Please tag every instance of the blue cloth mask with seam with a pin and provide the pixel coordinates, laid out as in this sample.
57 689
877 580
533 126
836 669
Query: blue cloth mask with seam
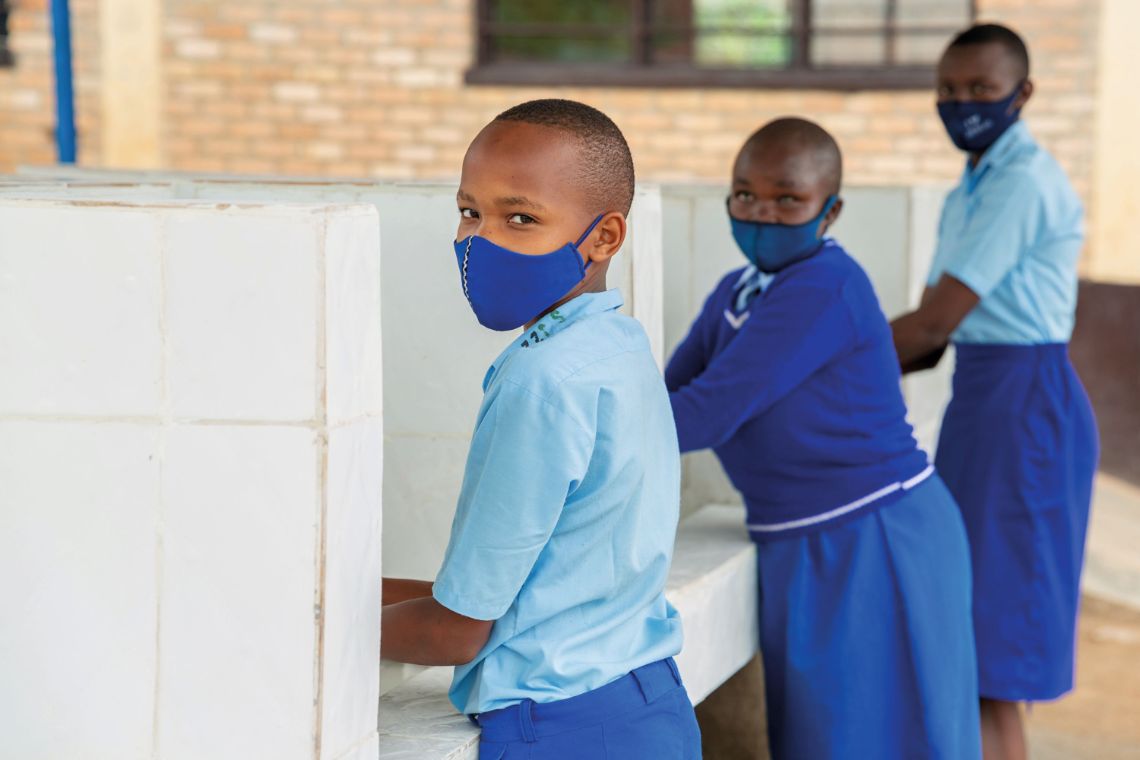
771 246
507 289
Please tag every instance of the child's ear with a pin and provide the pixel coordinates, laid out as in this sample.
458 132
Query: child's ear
607 238
832 215
1027 88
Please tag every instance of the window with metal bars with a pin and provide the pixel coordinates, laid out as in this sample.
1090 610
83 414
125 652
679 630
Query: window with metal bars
825 44
7 59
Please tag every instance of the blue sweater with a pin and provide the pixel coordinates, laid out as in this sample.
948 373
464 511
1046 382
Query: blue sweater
798 393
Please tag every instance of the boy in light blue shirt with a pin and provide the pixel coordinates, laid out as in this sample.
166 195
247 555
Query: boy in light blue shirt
550 601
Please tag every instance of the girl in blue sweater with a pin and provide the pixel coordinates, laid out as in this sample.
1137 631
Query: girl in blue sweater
789 375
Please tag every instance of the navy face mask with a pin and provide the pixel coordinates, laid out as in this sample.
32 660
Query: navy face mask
975 126
772 247
507 289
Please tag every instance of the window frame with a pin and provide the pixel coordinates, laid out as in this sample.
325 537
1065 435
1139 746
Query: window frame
799 74
7 57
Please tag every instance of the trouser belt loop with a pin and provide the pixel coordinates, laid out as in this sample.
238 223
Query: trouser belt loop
526 720
673 669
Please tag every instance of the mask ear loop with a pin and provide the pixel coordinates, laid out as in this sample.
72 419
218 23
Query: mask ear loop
827 206
585 235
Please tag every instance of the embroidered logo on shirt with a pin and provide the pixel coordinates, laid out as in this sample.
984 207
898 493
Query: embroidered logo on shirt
734 320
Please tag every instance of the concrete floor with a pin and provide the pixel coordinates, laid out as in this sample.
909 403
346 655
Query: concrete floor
1100 720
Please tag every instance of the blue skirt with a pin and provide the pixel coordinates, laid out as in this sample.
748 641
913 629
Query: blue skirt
866 638
1018 450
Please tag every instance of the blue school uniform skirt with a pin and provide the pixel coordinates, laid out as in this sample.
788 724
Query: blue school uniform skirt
1018 450
866 638
644 715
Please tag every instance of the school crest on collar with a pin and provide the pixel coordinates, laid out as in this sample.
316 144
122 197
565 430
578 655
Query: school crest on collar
736 320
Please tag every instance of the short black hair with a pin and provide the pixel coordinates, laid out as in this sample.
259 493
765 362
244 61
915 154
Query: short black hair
793 133
606 166
983 34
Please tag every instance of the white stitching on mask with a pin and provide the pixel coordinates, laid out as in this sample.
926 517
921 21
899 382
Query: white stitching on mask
466 255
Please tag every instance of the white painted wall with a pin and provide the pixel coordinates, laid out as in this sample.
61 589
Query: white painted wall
190 452
436 354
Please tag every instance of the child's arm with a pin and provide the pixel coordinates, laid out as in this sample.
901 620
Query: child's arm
688 359
800 329
424 632
921 336
527 455
396 590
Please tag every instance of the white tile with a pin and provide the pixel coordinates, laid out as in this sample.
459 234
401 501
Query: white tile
77 576
422 476
680 311
435 352
394 747
242 314
646 292
421 707
351 642
394 674
79 313
712 583
366 750
703 481
418 721
352 329
873 229
238 645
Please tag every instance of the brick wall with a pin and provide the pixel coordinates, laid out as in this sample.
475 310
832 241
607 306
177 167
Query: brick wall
365 88
27 92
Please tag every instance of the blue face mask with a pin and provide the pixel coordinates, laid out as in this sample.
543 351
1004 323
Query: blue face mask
507 289
772 247
975 126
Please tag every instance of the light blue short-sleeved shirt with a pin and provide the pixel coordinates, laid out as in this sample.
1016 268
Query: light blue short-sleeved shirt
1012 232
564 530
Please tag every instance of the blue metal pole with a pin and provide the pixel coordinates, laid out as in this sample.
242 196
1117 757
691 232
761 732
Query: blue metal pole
64 93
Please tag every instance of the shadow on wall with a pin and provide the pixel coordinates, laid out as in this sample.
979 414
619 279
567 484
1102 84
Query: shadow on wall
1106 352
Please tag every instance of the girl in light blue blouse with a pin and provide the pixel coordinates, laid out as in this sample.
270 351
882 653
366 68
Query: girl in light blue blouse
1018 447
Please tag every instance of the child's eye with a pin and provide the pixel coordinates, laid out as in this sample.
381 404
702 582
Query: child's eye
980 89
520 219
743 196
468 213
787 200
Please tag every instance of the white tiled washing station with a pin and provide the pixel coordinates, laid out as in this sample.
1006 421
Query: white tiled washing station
190 439
435 356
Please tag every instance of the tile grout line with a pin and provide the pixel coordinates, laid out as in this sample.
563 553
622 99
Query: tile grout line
160 516
322 482
162 419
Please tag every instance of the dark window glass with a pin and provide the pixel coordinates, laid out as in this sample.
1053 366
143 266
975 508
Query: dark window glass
795 43
6 57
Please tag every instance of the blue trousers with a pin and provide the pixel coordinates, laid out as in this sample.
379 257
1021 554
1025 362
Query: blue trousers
645 715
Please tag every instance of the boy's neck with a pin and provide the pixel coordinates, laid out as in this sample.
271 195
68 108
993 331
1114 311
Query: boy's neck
589 285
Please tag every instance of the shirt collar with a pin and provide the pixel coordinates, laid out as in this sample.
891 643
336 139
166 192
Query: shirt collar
556 321
1001 152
